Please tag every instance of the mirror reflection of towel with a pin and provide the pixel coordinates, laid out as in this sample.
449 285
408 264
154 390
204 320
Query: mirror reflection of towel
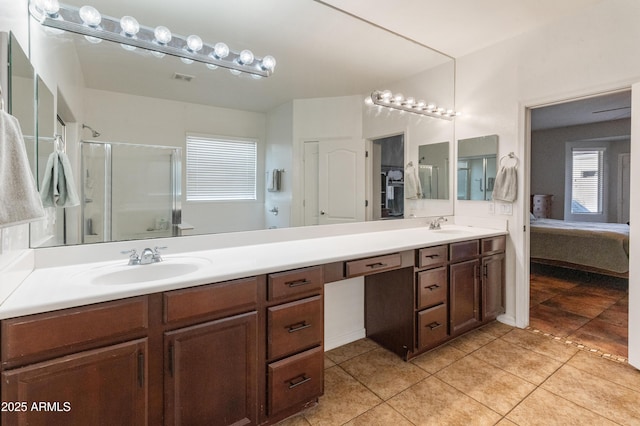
413 187
58 187
505 187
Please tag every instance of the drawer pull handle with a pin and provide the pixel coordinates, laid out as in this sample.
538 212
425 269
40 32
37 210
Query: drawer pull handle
431 256
434 325
303 379
376 265
432 287
298 283
297 327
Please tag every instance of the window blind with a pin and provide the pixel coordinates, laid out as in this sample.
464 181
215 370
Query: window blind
587 180
220 170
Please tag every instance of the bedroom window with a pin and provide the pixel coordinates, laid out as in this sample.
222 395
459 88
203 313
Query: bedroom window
221 169
587 180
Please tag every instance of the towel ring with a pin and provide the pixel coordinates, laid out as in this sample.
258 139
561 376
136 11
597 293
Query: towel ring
510 156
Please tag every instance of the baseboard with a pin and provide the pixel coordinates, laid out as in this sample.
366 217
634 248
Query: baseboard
507 319
343 339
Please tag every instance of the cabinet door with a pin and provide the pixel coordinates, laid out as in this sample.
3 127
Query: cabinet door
492 286
464 285
211 373
106 386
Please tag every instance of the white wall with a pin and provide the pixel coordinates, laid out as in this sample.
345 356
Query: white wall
279 155
589 52
142 120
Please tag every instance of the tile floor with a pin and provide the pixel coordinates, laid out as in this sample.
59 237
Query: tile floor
589 309
496 375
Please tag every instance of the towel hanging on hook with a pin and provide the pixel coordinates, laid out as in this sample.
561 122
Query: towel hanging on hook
59 144
510 156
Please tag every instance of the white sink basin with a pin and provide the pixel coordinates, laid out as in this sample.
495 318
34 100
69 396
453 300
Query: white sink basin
124 274
452 231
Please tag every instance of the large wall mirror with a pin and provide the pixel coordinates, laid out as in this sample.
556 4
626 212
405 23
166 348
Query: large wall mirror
433 170
327 63
477 160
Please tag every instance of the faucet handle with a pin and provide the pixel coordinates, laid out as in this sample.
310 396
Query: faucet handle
156 253
134 259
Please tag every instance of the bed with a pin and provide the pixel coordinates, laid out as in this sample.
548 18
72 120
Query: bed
589 246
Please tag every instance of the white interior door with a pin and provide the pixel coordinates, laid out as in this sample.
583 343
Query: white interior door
341 176
310 206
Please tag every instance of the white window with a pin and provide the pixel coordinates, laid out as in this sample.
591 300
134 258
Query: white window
221 169
587 180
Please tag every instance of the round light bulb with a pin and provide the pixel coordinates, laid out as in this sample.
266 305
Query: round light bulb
269 63
368 101
246 57
93 40
421 104
410 101
431 107
162 35
386 95
50 7
399 97
129 25
220 50
90 16
194 43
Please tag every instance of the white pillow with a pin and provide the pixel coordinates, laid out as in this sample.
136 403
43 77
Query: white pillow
532 218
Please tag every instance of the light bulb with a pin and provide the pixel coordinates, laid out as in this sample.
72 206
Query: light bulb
410 101
386 95
129 25
220 50
431 107
458 114
268 63
246 57
94 40
90 16
398 97
162 35
368 101
194 43
421 104
50 7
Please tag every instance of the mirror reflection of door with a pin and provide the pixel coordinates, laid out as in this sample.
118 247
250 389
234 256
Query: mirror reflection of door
387 165
334 181
477 166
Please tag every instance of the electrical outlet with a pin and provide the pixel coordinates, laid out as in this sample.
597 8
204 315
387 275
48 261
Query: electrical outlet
492 208
506 209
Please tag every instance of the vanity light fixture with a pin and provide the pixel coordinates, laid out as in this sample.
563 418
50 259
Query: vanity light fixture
159 41
397 101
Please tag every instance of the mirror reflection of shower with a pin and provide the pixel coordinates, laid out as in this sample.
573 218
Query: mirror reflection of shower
94 133
141 201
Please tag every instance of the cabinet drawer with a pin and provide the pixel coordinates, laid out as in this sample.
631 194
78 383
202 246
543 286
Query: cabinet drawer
42 336
373 265
432 287
432 326
291 283
294 326
493 245
295 380
229 297
463 250
432 256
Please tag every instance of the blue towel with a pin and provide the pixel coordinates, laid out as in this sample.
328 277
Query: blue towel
19 201
58 188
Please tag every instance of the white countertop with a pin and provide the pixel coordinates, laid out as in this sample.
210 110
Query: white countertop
52 288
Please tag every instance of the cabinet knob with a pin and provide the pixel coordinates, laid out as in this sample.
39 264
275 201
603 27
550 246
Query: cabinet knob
322 212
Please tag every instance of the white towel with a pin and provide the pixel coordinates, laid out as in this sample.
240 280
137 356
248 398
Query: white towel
505 187
19 201
58 187
413 187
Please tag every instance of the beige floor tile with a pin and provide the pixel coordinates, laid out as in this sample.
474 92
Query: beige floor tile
620 373
506 422
382 415
350 350
557 350
433 402
606 398
544 408
344 399
297 420
328 363
472 341
489 385
383 372
524 363
437 359
496 328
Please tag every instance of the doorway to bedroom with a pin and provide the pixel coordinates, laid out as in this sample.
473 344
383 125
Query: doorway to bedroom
579 213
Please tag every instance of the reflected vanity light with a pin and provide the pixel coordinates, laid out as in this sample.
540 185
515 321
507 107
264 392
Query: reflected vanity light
397 101
130 34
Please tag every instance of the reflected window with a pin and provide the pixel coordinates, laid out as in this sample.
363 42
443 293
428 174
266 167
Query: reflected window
221 169
587 183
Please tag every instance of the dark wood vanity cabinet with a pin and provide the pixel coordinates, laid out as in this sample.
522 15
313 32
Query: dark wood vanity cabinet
493 277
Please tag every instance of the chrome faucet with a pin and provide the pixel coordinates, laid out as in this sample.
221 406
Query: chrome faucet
147 256
435 223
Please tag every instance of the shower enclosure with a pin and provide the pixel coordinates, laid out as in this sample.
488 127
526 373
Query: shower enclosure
129 191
